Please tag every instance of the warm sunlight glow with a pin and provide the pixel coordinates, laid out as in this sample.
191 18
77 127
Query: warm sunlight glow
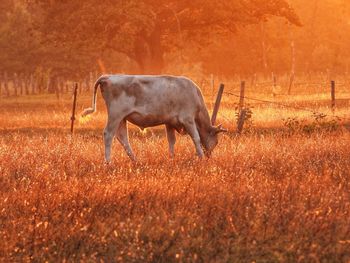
84 119
175 131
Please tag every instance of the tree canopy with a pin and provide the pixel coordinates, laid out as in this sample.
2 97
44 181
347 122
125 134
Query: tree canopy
70 36
148 36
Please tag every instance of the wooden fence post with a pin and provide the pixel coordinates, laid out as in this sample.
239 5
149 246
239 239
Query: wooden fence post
333 94
241 96
74 106
241 119
217 104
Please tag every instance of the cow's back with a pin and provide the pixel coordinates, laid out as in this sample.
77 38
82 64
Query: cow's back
158 93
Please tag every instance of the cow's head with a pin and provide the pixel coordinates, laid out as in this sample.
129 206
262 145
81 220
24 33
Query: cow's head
211 140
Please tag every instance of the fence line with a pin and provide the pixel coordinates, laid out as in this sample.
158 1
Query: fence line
281 104
17 84
273 102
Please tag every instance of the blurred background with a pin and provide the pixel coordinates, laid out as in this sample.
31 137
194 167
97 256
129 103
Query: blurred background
44 44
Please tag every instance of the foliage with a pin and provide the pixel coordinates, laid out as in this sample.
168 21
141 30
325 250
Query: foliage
73 35
245 38
248 117
320 44
18 45
321 122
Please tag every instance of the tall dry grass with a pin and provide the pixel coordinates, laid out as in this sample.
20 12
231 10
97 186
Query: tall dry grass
264 197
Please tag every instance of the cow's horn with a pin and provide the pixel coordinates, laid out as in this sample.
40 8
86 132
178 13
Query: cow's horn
220 129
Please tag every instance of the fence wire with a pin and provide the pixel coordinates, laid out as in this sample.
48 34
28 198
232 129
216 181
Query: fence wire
275 103
315 112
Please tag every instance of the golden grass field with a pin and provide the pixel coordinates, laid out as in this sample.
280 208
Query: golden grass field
275 194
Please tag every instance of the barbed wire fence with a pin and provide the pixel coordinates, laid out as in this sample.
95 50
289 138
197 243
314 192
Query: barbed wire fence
273 103
242 111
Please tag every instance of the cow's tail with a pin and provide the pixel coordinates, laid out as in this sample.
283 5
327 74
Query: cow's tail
91 110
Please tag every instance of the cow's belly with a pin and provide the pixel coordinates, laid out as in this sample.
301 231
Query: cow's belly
149 120
146 120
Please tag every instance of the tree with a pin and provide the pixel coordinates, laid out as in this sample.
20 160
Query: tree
320 44
18 45
145 30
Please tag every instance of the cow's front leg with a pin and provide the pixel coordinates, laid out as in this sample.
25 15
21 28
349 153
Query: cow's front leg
170 132
122 135
191 129
108 135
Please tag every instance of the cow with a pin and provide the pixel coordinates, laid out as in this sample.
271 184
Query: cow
148 101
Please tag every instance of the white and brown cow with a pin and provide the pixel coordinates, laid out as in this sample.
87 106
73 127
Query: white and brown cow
148 101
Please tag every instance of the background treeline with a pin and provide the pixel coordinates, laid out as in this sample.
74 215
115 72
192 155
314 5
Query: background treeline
40 40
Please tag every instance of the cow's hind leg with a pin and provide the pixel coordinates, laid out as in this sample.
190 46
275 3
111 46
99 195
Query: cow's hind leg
108 135
191 129
170 132
122 135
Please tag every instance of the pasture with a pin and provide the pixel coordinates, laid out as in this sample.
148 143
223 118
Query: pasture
280 192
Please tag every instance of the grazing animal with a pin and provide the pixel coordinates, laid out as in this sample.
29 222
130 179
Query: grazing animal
148 101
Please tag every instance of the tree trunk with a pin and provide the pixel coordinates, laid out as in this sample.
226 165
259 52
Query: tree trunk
156 51
312 42
32 83
26 84
149 53
263 48
292 70
20 83
6 85
15 83
140 54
